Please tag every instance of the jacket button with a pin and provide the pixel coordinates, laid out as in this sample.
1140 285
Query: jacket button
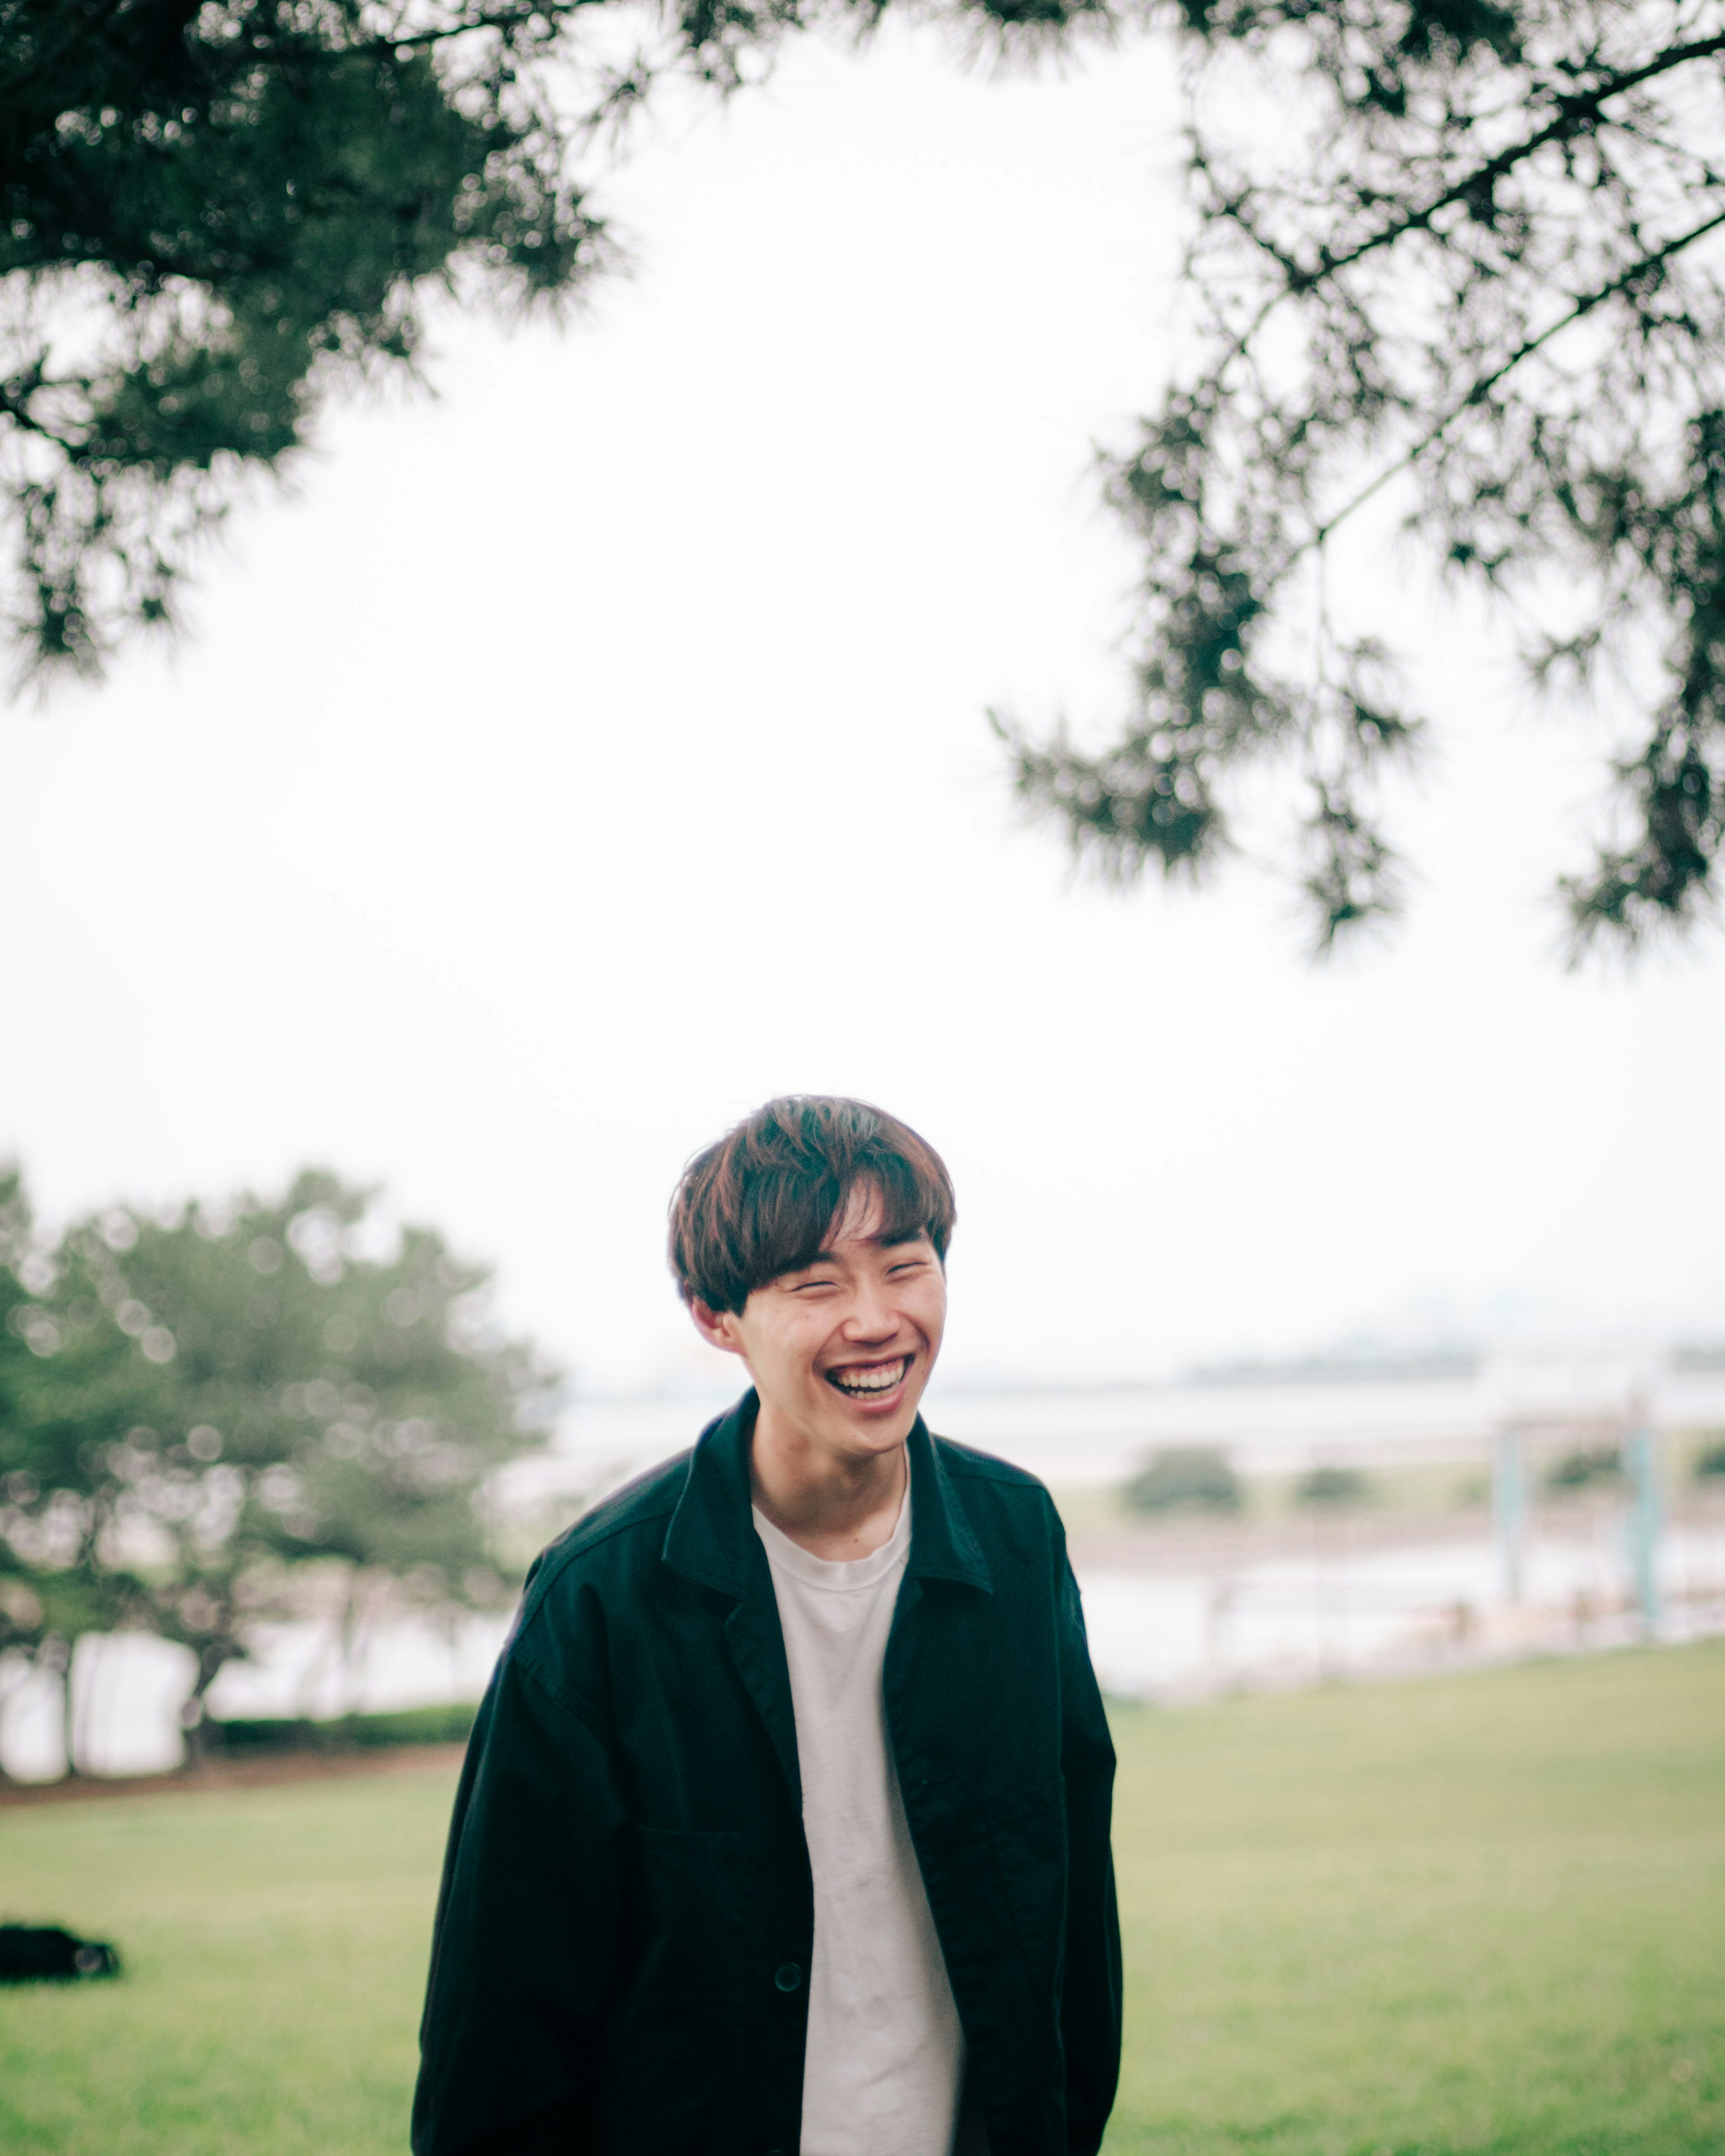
788 1976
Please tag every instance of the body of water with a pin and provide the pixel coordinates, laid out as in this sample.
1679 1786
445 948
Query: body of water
1093 1437
1156 1630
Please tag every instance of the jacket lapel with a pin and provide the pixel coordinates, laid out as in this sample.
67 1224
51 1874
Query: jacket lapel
711 1539
942 1544
757 1644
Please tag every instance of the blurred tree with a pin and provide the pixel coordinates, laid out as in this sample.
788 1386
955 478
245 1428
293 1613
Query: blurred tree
1458 253
1586 1468
1186 1476
215 1402
213 212
20 1607
39 1614
1465 251
1331 1486
47 1599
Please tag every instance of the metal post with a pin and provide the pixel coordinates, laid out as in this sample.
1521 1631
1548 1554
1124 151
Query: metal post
1641 1463
1509 1507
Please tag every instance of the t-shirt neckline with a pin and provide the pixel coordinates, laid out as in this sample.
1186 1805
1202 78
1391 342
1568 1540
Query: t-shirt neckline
840 1575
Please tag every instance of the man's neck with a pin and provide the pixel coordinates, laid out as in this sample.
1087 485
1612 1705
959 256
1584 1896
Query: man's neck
840 1507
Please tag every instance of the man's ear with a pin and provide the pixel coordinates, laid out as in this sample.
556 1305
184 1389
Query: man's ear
717 1328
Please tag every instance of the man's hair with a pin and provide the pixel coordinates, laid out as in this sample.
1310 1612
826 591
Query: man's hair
762 1201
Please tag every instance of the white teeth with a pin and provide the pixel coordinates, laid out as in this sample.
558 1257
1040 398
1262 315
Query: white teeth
881 1379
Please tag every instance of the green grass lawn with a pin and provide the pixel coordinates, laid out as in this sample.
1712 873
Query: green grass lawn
1483 1914
1486 1914
274 1943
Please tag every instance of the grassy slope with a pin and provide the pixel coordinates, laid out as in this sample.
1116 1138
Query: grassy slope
1485 1915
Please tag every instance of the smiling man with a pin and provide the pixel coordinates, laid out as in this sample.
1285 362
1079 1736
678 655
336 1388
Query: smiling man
784 1825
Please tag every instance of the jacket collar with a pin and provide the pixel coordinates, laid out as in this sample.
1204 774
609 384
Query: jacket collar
711 1537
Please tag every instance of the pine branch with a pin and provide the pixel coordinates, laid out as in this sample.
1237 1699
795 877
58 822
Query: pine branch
1576 113
1484 384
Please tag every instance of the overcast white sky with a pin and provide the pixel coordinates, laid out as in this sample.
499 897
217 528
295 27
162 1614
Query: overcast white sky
587 754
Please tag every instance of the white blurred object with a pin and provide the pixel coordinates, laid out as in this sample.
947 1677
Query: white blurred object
33 1746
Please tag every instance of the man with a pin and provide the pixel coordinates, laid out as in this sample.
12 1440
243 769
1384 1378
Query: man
783 1830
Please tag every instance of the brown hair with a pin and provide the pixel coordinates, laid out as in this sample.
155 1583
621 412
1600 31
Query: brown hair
762 1201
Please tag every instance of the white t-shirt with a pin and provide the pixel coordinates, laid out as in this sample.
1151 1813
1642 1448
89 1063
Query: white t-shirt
884 2066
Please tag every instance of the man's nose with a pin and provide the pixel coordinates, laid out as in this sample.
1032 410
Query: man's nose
872 1317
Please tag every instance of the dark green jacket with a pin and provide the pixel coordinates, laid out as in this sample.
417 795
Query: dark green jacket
627 1914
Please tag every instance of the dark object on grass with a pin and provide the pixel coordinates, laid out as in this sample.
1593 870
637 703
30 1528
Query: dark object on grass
1195 1474
1710 1463
43 1954
1331 1486
1580 1469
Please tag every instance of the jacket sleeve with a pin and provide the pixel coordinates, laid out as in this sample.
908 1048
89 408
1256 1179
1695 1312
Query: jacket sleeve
525 1938
1091 2010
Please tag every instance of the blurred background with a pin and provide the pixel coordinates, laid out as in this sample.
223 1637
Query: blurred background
581 739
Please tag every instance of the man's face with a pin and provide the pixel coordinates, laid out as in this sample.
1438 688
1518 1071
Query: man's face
841 1351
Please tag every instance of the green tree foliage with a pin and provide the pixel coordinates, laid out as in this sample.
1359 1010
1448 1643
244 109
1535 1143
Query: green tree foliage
1458 255
1331 1487
1471 258
1183 1478
218 210
199 1409
39 1615
1586 1468
212 212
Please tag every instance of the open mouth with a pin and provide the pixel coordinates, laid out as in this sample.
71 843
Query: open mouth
867 1381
